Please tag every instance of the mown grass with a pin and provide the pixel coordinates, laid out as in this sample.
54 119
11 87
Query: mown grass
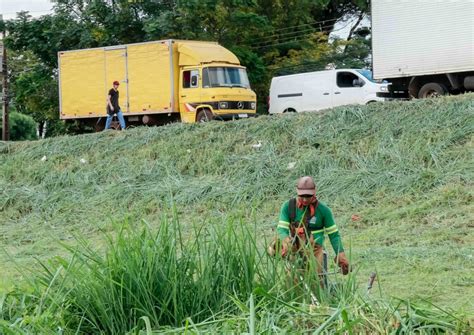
404 168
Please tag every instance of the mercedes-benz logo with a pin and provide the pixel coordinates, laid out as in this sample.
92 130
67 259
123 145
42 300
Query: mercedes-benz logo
240 105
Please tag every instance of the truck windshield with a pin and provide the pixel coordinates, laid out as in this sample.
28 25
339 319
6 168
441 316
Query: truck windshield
225 77
367 74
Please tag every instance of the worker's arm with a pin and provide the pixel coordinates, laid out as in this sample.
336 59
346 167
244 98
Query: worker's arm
331 230
283 228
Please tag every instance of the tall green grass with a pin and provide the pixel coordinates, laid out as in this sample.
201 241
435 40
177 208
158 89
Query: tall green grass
214 281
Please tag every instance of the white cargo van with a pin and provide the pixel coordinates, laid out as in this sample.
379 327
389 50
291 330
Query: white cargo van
314 91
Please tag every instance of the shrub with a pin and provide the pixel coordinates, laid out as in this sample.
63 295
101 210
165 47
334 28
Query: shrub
22 127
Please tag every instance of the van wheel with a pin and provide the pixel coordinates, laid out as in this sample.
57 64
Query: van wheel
289 110
205 115
432 90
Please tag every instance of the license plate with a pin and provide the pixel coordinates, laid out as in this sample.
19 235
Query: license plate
243 115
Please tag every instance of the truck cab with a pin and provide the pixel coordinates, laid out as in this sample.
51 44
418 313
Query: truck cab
215 91
214 87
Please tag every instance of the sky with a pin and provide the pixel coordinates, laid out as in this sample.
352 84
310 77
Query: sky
9 8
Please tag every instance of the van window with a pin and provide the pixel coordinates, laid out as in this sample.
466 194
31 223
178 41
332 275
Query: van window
367 74
191 79
348 79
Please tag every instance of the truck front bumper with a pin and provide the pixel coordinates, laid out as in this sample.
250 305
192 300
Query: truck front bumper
233 116
390 96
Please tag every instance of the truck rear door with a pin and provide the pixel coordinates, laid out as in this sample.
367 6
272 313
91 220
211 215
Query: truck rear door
116 69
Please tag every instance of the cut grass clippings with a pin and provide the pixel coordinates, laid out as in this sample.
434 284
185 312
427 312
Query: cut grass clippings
398 177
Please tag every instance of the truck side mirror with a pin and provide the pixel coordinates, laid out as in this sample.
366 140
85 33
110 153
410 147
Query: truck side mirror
194 80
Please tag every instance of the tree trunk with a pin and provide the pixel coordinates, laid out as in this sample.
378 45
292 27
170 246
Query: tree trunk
45 128
41 129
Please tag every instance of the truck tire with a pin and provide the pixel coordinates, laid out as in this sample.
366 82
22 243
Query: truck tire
289 110
204 115
432 90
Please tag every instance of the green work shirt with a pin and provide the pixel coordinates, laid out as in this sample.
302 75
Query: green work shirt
322 222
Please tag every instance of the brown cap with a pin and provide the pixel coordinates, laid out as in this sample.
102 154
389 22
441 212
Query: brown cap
305 185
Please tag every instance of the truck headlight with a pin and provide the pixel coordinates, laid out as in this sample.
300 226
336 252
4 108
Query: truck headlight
252 105
223 105
384 88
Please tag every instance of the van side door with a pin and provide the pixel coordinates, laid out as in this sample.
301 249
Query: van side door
318 90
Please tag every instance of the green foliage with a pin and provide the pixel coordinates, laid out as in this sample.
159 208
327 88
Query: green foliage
22 127
314 57
35 90
36 93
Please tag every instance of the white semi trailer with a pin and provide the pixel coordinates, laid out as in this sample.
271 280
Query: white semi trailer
424 48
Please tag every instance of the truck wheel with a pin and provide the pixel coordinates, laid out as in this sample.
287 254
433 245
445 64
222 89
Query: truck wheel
204 115
99 125
115 125
432 90
289 110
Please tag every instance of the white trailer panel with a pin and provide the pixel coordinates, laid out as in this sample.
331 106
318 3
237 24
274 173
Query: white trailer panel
418 37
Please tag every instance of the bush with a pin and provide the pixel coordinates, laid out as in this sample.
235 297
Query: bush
22 127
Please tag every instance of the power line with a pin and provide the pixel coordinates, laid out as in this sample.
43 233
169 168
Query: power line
306 24
291 39
306 29
273 37
301 33
315 23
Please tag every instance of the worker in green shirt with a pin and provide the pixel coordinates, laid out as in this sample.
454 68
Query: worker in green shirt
305 219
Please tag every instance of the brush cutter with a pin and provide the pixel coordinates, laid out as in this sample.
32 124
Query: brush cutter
372 277
314 299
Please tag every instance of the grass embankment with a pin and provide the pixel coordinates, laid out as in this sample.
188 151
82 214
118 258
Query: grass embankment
404 168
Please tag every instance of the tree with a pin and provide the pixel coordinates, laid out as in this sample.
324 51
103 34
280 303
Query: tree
34 90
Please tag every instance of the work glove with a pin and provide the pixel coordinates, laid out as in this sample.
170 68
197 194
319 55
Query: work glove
285 246
343 263
272 248
279 246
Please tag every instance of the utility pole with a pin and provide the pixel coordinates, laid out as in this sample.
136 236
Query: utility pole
4 71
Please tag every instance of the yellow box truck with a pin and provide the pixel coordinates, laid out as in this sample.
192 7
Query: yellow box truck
161 81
